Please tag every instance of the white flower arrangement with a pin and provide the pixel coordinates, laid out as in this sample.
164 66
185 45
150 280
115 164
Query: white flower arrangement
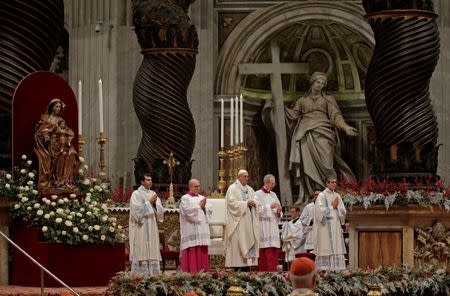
63 219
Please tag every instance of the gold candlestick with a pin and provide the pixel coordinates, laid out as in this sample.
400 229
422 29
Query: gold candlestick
236 160
243 150
230 153
101 164
221 184
81 143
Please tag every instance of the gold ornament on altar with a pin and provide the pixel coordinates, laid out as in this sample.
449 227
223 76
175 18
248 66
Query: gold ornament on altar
171 162
374 290
235 289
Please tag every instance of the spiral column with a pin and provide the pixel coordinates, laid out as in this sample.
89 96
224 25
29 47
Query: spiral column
169 45
30 33
397 86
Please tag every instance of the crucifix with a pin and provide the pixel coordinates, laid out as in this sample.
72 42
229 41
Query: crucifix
171 162
275 69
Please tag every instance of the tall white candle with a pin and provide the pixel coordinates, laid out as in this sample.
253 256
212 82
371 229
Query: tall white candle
221 121
80 108
231 121
241 120
100 103
236 127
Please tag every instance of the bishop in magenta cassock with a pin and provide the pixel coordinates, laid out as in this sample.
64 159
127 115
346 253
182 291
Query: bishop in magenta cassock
269 215
194 229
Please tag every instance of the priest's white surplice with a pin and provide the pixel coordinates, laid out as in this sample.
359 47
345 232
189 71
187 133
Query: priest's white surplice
143 231
268 220
329 244
242 227
194 228
293 238
307 218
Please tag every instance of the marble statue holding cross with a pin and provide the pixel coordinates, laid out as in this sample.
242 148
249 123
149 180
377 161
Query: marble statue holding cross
275 69
313 152
315 149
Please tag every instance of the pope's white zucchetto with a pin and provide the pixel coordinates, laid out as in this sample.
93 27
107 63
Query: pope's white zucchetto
242 172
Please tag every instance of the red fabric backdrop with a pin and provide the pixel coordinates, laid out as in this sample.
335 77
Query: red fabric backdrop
30 101
77 266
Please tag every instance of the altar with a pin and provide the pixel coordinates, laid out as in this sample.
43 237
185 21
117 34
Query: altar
393 237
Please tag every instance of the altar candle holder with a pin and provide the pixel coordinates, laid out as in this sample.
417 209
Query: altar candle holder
101 164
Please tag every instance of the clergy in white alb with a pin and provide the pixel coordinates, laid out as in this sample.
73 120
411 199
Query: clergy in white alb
145 211
330 212
242 224
307 218
194 229
292 235
269 210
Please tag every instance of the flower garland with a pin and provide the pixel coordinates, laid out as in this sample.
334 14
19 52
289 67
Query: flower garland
65 219
392 281
203 283
387 193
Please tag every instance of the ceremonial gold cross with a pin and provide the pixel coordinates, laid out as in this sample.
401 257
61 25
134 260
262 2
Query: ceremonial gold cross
171 162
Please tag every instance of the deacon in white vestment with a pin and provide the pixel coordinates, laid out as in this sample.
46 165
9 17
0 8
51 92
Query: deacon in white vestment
242 224
292 235
145 210
307 218
194 229
270 213
330 212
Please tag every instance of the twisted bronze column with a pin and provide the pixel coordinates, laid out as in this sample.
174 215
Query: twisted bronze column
397 86
30 33
169 44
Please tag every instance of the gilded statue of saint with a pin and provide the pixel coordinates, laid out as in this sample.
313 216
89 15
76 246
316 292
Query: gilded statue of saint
57 158
315 149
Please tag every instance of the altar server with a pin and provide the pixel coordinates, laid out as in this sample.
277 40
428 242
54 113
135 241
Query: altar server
145 210
330 212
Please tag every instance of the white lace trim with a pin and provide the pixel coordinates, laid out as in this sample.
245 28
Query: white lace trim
332 262
146 266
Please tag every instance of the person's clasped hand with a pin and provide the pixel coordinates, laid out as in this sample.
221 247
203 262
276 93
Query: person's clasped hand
335 203
202 203
153 199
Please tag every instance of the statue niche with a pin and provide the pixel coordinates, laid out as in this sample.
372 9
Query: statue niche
57 158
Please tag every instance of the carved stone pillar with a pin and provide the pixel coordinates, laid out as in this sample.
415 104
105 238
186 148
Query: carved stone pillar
397 87
169 44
